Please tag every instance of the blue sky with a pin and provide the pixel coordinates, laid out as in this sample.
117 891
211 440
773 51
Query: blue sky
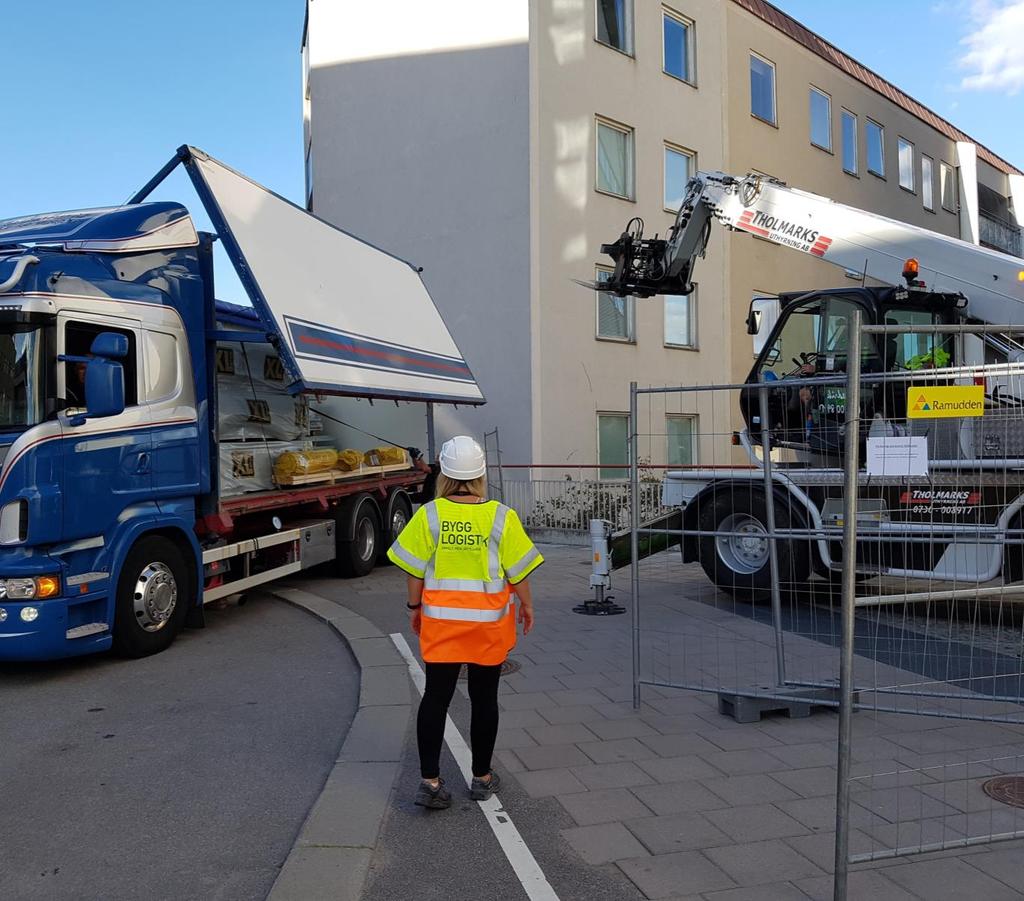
100 93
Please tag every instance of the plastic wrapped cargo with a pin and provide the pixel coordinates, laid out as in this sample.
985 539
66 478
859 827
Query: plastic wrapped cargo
305 462
349 460
248 466
386 456
252 398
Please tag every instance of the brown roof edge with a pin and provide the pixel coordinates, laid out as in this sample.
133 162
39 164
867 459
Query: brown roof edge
843 61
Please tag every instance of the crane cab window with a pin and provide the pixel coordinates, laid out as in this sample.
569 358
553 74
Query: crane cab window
919 350
78 338
814 340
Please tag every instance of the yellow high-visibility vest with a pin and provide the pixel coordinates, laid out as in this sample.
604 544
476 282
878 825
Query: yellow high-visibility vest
469 556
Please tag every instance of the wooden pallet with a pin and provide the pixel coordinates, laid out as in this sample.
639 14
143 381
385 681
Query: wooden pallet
335 476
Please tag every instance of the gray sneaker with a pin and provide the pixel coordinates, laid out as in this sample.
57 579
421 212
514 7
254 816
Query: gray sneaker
480 790
435 798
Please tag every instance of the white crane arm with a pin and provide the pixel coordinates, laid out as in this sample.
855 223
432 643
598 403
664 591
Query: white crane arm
853 239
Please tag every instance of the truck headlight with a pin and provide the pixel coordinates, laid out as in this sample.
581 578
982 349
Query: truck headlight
40 587
29 614
14 522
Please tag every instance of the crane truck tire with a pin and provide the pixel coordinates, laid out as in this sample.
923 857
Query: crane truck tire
357 556
399 512
153 597
738 562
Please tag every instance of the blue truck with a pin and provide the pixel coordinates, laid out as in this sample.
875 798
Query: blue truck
115 528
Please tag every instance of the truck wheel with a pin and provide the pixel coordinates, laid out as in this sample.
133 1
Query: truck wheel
358 556
400 512
153 597
739 563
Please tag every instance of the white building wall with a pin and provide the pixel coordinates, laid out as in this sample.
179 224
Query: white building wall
420 144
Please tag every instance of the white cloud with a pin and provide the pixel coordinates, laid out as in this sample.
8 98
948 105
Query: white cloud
994 49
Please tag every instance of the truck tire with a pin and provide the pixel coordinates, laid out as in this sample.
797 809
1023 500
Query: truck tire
739 563
153 597
399 513
358 556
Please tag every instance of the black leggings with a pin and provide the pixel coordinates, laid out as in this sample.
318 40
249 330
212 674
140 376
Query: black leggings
483 728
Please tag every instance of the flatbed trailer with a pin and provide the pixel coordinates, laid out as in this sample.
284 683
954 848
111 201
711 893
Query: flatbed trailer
117 524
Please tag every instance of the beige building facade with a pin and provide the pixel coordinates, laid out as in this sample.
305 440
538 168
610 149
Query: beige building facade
500 144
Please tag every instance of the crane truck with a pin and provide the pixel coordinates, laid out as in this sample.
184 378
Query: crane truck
116 522
963 520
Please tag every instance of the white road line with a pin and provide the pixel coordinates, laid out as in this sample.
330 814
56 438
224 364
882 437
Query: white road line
530 874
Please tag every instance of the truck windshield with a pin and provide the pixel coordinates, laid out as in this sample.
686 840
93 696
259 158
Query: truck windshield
21 376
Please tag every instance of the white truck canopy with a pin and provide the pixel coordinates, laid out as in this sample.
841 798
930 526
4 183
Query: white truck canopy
351 319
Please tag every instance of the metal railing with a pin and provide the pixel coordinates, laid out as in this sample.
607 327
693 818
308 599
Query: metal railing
999 234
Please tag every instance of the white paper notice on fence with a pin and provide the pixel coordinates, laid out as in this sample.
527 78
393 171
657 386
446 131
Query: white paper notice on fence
898 456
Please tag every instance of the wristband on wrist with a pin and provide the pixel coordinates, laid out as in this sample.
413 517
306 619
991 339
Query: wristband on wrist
413 606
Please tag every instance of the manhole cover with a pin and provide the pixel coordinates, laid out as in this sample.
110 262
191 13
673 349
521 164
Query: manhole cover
509 666
1006 790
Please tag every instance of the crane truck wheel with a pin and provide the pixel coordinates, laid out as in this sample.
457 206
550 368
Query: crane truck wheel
399 513
738 561
153 597
358 556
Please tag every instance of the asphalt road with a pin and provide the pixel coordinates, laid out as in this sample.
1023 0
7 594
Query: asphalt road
184 775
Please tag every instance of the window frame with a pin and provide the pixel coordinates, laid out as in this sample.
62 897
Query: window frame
691 69
630 29
692 307
810 112
867 147
774 121
944 167
694 419
845 114
616 467
900 143
630 337
928 197
630 133
670 147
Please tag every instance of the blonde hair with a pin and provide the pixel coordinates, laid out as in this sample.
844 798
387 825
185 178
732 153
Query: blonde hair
447 486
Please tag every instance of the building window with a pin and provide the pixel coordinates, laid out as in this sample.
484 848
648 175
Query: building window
821 120
762 88
615 159
849 142
613 445
947 187
615 24
679 168
905 159
876 149
614 314
681 319
681 432
677 35
927 180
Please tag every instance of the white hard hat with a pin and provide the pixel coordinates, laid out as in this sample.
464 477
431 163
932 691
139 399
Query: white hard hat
462 458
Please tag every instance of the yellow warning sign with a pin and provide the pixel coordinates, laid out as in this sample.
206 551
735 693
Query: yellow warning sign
944 402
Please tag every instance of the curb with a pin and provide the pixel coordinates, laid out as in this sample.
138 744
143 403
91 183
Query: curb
330 859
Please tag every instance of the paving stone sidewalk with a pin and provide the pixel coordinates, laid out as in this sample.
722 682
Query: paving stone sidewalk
689 804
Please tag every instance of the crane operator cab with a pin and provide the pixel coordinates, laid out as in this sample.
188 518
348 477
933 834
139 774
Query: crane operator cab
810 341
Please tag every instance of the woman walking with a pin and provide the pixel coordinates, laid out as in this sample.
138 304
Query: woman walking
467 559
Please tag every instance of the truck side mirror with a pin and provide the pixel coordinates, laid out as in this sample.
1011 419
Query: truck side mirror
761 319
104 388
104 376
753 320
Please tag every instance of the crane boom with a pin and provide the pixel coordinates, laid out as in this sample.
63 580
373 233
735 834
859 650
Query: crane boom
850 238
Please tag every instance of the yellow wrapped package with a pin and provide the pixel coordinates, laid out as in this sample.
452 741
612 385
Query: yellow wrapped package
349 460
385 456
304 463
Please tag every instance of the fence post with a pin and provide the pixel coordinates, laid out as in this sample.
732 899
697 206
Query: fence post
851 465
773 550
634 540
